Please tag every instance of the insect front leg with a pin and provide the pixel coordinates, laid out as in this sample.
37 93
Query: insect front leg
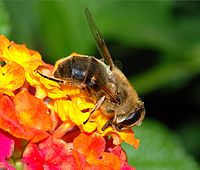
108 123
97 106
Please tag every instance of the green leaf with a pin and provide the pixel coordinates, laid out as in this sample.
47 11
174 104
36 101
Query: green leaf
190 130
169 74
4 20
160 149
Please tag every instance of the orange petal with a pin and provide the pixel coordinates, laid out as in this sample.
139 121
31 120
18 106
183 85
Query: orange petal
90 146
82 144
120 136
108 161
97 147
32 111
116 137
62 129
38 135
128 136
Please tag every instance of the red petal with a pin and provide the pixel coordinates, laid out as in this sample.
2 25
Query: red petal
10 123
117 150
33 158
50 154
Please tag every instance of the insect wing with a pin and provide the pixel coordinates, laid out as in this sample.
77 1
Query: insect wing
100 43
98 74
107 90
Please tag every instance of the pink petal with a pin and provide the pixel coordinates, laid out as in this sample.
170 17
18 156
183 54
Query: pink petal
6 147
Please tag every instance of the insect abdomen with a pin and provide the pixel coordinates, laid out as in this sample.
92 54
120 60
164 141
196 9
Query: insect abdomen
83 69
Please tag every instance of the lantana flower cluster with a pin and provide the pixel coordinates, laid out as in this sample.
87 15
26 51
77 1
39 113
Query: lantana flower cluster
47 125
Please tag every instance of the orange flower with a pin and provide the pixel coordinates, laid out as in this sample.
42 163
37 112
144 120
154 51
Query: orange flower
93 149
54 119
9 122
31 111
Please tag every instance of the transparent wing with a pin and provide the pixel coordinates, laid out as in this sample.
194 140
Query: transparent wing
100 43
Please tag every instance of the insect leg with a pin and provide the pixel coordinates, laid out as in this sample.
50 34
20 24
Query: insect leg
108 123
98 104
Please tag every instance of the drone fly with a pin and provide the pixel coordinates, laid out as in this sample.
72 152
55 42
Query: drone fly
114 94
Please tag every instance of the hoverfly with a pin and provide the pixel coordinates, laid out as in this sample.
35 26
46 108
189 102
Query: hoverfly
112 90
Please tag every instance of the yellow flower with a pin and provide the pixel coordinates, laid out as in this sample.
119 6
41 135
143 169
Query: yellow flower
11 52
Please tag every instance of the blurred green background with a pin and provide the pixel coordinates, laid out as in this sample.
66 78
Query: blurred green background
158 44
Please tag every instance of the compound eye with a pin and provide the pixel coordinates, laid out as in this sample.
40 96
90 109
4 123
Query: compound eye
133 118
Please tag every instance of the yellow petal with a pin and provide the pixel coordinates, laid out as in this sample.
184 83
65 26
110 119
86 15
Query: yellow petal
71 90
77 116
12 77
81 103
4 43
32 78
89 127
66 109
49 84
61 107
28 59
